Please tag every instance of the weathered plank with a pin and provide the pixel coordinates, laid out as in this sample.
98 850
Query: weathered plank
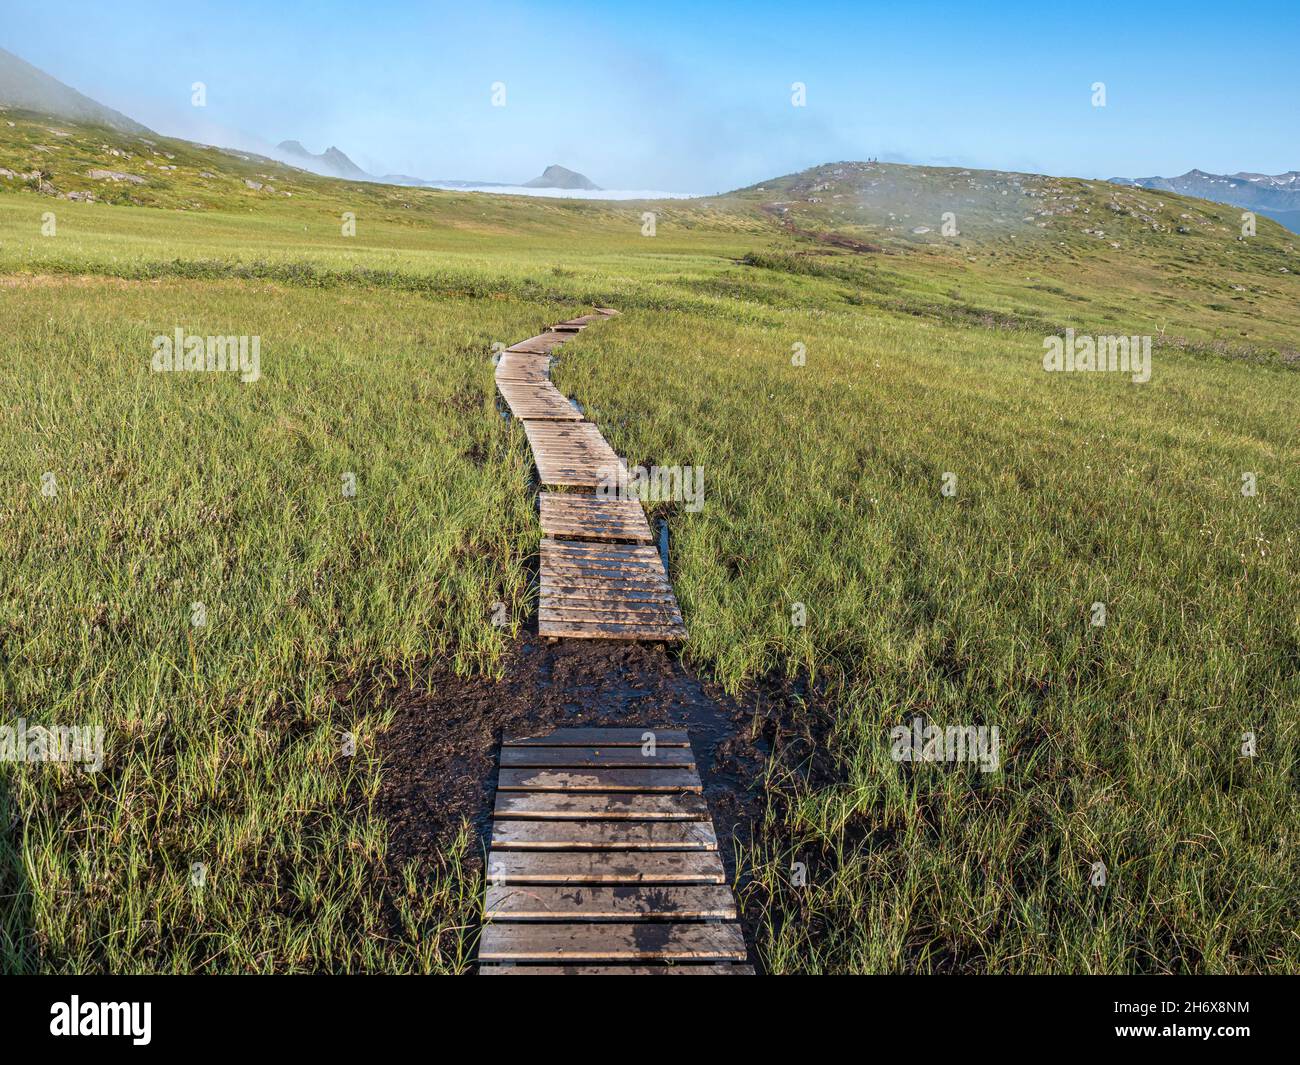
598 780
581 322
526 369
542 344
572 455
537 400
631 560
631 574
582 806
611 591
602 737
584 517
605 553
521 902
597 757
604 835
610 630
606 867
721 968
604 878
599 591
630 941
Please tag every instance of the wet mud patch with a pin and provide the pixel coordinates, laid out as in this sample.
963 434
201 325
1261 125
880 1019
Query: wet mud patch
439 756
440 753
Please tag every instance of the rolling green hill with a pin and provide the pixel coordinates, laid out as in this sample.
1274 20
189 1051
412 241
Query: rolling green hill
1025 249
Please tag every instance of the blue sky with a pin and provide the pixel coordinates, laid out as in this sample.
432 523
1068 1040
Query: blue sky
695 97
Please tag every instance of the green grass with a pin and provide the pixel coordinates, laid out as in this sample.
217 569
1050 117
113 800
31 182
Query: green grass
226 740
1120 743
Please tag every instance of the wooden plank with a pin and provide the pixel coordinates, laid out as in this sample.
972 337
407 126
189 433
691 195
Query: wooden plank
565 608
575 516
647 570
582 435
611 630
537 400
580 559
604 552
604 835
536 969
632 941
600 591
580 806
608 583
602 737
597 757
606 867
610 625
637 601
572 454
599 780
526 369
614 625
568 469
609 591
529 902
542 344
599 529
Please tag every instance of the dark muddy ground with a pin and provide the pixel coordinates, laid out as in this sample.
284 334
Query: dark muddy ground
440 755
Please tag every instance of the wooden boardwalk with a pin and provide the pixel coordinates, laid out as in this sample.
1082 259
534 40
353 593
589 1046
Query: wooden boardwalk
599 579
604 861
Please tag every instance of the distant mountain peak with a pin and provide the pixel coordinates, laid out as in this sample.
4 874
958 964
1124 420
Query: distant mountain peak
332 162
30 89
1274 195
559 177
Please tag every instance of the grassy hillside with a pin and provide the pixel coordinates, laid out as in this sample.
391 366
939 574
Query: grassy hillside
1029 251
1031 247
1121 743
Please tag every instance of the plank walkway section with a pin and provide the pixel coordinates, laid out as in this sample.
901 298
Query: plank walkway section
604 861
599 577
582 517
606 591
534 369
572 454
537 400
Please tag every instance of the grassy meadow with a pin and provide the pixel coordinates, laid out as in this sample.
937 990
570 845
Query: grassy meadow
227 740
